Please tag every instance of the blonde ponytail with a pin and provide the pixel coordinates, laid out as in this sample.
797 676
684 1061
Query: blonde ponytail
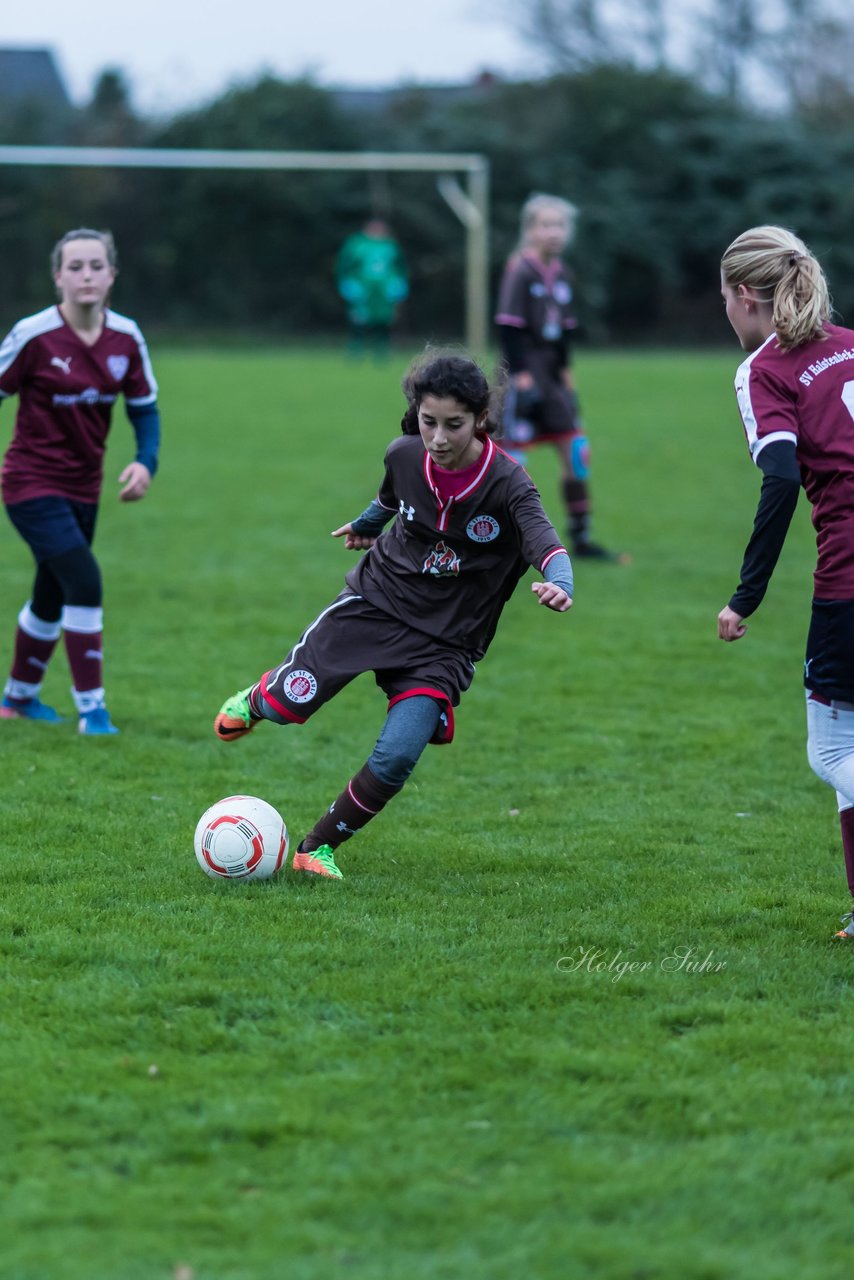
781 269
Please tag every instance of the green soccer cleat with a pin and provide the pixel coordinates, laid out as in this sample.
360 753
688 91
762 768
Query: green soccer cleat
235 718
320 862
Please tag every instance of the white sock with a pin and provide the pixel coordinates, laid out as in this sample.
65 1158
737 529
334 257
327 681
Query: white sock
20 690
88 700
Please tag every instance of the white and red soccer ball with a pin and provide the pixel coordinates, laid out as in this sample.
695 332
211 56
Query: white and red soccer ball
241 838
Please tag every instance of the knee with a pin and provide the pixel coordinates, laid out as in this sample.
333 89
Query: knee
830 745
816 758
78 574
392 763
409 726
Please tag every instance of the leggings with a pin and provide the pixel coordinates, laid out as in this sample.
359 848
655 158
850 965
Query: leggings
72 578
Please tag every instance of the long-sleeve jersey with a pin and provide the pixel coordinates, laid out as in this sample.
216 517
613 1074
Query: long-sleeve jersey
66 392
805 396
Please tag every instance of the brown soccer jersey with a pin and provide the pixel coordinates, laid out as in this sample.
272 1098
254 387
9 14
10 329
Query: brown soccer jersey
536 298
448 568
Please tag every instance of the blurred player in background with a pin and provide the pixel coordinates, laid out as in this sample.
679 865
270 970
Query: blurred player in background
372 279
421 607
68 365
795 392
535 317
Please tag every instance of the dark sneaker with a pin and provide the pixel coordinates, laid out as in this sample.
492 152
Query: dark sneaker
588 550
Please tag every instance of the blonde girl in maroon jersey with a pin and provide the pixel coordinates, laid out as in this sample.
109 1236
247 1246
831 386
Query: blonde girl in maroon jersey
795 393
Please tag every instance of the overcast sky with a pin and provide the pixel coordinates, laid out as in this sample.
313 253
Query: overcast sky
178 53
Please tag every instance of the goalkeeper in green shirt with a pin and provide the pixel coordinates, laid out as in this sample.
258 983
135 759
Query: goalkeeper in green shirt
371 277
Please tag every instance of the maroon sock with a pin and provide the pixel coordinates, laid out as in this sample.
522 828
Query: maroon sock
85 659
362 799
846 822
31 657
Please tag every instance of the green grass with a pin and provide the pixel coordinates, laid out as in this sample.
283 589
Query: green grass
421 1073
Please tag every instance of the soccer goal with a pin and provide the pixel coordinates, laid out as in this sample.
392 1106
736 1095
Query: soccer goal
469 202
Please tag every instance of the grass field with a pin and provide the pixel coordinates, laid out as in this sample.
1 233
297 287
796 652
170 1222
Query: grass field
575 1010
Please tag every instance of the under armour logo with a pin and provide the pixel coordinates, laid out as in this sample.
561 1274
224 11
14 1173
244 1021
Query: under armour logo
408 512
64 365
344 829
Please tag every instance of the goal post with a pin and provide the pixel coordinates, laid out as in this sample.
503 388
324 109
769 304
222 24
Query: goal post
469 203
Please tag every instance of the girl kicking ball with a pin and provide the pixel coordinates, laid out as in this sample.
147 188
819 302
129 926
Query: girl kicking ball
422 605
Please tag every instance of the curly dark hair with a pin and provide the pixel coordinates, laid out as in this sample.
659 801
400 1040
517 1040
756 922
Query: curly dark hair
449 374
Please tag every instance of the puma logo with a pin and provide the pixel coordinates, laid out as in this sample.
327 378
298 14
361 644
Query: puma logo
64 365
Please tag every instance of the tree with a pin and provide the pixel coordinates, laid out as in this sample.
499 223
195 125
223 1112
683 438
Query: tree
779 55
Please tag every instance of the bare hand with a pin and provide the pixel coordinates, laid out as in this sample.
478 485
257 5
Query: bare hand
731 625
353 541
136 478
552 596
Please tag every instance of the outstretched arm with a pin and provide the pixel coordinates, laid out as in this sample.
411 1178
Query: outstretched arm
362 533
556 592
781 485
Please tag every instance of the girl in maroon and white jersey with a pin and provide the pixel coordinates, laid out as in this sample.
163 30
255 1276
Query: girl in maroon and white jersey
68 365
421 607
795 392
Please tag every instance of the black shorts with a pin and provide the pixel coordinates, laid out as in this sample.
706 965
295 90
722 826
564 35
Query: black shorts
829 665
50 526
352 636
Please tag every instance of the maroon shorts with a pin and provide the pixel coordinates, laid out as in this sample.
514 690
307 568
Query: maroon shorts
352 636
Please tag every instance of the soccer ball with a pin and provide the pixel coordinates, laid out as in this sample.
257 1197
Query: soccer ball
241 838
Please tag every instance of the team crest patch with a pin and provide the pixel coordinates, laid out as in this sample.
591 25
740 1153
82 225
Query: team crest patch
483 529
300 686
442 562
118 366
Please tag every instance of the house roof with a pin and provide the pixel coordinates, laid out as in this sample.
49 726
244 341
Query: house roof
33 74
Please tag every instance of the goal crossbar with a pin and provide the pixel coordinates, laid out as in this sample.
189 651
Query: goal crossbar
471 207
